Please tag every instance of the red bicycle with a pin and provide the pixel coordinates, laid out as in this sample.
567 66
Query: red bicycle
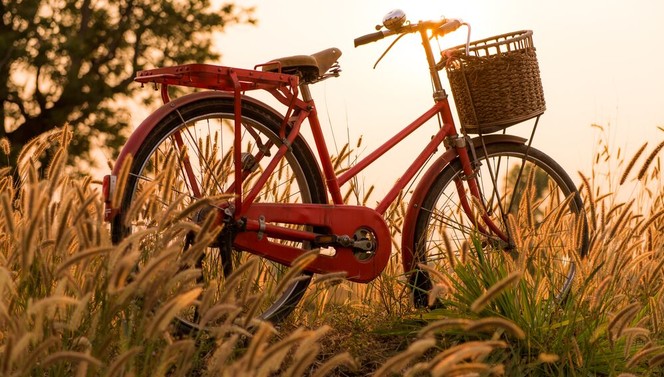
278 198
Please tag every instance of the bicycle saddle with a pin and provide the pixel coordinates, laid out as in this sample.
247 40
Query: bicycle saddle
309 67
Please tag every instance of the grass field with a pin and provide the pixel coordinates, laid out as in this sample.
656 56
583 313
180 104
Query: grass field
72 303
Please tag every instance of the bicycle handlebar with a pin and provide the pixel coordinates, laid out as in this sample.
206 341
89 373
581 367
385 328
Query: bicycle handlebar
449 26
373 37
440 28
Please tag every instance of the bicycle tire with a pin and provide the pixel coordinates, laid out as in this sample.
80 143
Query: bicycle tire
206 127
440 213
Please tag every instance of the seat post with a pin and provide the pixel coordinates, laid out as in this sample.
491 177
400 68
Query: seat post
306 93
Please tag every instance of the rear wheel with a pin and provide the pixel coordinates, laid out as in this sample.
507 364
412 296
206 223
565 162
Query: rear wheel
519 185
188 156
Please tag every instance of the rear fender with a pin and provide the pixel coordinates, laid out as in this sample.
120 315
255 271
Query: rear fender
137 138
423 187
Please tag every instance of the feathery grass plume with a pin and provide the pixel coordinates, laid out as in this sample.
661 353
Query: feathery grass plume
650 221
468 369
548 358
619 222
444 324
448 248
34 149
33 357
225 347
622 319
329 279
121 182
155 265
444 363
139 201
600 290
271 358
656 315
644 353
367 195
439 275
649 160
338 160
656 361
633 334
306 353
493 323
631 163
578 356
121 271
257 345
79 256
55 168
169 310
298 265
8 214
5 146
481 302
400 360
590 201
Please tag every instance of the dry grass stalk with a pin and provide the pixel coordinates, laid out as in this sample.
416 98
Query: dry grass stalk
481 302
656 361
399 361
598 295
169 310
467 369
649 160
631 163
548 358
472 351
444 324
494 323
655 312
622 218
622 319
650 221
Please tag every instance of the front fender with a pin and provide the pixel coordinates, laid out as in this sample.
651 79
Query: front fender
423 187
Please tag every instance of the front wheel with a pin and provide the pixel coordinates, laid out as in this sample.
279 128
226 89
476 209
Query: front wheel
530 199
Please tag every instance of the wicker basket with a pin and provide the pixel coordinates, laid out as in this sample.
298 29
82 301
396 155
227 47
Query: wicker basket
497 84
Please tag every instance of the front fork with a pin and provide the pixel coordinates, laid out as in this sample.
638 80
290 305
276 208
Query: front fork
470 164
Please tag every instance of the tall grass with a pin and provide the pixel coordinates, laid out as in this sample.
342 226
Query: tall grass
71 303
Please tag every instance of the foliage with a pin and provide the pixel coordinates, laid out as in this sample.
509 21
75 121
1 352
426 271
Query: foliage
69 62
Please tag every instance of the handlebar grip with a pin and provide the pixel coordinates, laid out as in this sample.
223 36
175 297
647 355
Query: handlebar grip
449 26
373 37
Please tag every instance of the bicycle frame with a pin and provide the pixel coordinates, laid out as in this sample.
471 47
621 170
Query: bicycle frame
337 217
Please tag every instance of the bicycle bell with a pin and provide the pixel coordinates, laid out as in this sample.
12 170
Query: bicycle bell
394 19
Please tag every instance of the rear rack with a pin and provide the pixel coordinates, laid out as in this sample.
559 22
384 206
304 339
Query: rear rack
208 76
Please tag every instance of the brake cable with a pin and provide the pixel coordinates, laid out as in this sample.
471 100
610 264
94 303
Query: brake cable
388 49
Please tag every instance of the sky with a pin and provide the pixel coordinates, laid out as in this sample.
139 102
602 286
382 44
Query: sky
600 62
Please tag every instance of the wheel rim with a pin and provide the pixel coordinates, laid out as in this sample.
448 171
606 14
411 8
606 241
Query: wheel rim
543 213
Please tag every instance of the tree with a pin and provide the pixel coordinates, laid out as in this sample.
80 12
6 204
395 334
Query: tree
68 62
